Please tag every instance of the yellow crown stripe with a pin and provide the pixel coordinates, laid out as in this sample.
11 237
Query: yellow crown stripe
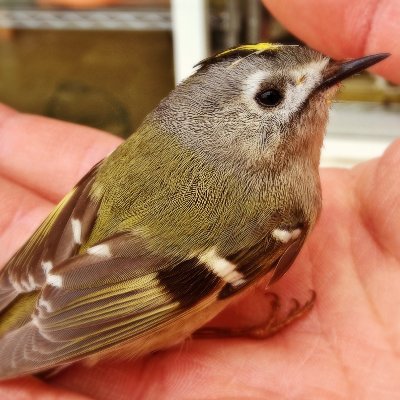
251 47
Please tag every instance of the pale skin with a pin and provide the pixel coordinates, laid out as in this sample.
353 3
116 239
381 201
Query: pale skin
347 347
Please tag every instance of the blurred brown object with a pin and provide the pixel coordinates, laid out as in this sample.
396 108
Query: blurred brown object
78 3
6 34
103 3
106 79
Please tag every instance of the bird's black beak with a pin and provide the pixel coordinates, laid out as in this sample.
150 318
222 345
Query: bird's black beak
336 71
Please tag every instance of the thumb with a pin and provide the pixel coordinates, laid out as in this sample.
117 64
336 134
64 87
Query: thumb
346 29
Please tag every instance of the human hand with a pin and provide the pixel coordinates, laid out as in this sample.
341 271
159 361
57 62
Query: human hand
347 347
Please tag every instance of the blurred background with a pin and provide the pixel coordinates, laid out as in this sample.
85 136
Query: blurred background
107 63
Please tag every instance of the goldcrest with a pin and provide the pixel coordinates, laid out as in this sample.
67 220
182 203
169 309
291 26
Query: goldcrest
217 188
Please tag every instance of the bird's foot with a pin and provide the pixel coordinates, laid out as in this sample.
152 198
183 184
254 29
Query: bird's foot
266 329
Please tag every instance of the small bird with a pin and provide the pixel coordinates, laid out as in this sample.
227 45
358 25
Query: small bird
217 188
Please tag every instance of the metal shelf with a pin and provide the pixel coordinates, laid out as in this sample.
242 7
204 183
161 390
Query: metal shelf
189 30
99 19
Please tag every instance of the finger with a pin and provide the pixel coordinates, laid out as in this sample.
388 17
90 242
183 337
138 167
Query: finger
21 212
48 156
346 29
377 187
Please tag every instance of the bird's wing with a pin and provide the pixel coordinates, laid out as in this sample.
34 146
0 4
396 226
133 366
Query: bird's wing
97 300
116 292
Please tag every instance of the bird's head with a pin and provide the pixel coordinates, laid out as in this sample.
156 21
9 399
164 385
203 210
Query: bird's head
257 104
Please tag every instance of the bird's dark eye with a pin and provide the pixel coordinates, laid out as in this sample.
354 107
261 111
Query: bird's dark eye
269 97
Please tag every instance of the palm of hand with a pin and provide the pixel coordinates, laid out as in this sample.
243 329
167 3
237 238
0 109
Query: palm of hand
347 347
